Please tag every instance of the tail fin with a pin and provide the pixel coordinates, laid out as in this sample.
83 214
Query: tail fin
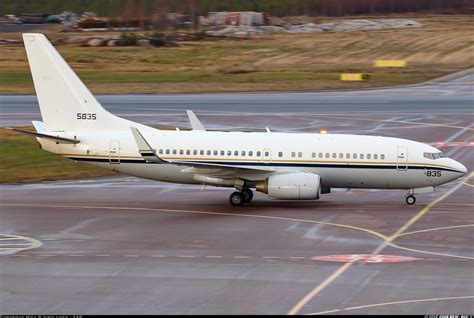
64 100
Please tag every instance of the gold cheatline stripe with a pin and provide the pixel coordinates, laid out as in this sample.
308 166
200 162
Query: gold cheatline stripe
281 161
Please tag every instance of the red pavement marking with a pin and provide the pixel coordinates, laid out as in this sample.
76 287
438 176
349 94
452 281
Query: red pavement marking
365 258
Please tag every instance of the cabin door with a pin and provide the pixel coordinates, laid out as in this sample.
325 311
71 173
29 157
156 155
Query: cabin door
402 158
114 151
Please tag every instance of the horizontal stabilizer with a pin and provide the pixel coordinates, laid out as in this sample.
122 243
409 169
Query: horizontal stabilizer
195 123
144 147
46 136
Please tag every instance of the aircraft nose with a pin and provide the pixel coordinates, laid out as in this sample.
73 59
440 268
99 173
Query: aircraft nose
459 167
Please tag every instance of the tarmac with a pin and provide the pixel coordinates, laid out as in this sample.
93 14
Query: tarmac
122 245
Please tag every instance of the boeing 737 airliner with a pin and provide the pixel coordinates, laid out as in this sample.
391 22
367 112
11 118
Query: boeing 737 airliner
289 166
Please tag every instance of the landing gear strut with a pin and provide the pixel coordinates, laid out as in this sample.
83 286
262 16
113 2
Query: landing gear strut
236 199
410 199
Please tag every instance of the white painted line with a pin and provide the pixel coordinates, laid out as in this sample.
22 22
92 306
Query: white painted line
103 255
242 257
130 255
391 303
186 256
158 256
78 255
213 256
270 257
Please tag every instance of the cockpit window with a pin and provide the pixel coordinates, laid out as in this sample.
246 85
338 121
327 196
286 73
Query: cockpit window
434 155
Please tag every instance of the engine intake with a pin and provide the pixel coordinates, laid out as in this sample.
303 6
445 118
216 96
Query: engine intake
292 186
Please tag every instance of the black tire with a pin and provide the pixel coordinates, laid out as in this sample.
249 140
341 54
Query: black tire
236 199
410 199
248 194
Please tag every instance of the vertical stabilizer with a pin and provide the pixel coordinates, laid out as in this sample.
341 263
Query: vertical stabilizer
64 100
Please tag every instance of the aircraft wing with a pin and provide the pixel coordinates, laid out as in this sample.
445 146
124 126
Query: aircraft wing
214 168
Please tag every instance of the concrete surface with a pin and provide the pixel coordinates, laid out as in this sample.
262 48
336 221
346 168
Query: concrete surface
122 245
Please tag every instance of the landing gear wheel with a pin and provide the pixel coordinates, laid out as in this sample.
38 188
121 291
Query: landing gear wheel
248 194
236 199
410 199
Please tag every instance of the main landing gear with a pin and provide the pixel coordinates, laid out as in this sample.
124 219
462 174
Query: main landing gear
238 198
410 199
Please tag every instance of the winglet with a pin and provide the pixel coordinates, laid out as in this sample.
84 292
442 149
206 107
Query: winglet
195 123
144 147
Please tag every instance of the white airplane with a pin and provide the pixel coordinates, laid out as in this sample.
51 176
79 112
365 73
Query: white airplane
288 166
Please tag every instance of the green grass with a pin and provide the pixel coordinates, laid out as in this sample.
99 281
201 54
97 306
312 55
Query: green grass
277 62
21 160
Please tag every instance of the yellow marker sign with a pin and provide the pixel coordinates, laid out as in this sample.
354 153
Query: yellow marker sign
354 77
390 63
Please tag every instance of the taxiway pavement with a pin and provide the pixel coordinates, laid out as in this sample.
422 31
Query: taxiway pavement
122 245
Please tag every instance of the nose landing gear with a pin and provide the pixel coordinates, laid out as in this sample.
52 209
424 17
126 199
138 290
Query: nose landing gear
410 199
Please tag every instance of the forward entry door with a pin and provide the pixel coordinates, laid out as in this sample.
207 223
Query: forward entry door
402 158
114 152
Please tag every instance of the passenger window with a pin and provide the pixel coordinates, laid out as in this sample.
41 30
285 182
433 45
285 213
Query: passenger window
167 151
195 152
293 154
348 156
320 155
313 155
259 153
300 154
208 152
160 151
376 157
250 153
341 156
242 153
267 154
382 157
354 156
181 152
327 154
188 152
222 152
236 153
215 152
229 152
361 156
174 152
280 154
368 156
334 155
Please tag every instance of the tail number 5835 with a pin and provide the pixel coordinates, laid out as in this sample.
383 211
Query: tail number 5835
86 116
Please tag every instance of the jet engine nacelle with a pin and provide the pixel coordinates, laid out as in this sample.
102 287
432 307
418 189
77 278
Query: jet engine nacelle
292 186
